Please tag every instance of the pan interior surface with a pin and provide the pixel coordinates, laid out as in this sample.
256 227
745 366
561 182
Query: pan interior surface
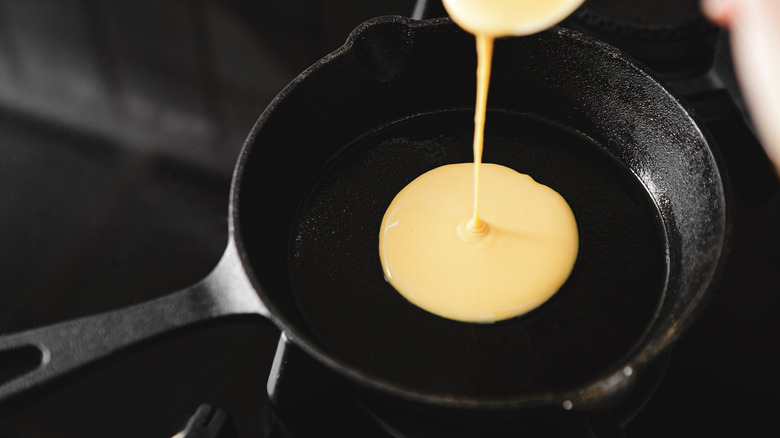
595 321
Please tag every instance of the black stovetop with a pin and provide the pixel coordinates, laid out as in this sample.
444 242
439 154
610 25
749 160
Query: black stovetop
120 123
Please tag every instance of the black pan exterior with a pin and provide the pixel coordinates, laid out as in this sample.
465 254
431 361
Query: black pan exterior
392 69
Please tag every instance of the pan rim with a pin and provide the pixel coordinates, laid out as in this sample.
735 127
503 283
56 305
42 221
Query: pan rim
588 395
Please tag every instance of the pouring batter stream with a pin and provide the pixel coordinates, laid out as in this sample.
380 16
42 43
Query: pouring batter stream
481 242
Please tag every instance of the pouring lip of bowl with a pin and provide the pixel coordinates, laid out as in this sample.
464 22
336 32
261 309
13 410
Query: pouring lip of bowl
602 390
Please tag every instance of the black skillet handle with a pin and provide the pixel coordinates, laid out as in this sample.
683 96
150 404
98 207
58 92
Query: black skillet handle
32 358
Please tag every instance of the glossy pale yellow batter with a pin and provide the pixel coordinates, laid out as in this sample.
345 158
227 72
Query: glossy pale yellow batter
437 264
519 244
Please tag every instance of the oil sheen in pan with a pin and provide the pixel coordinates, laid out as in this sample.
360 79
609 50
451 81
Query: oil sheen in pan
595 320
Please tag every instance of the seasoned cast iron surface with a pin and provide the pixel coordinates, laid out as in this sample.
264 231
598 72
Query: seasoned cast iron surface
598 316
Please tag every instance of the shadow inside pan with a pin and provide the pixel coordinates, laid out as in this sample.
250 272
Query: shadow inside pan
594 321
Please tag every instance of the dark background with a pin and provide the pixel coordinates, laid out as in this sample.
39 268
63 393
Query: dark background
120 123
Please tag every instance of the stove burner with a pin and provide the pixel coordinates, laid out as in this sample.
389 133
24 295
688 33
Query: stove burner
648 20
209 422
307 398
670 37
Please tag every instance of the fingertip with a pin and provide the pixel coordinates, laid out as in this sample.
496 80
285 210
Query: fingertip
720 12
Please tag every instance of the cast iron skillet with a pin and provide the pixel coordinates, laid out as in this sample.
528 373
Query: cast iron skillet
325 159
